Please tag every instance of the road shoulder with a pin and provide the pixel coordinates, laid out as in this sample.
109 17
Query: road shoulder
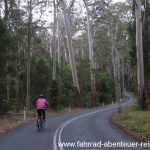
126 130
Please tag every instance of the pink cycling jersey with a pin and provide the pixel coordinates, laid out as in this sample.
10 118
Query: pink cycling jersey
41 103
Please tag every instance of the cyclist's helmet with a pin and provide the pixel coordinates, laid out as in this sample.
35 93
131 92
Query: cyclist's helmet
41 96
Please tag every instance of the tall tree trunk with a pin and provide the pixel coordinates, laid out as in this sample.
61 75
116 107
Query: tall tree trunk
116 68
28 55
54 42
139 48
17 91
58 48
118 59
17 68
65 58
6 13
91 55
122 75
58 36
82 53
8 82
50 48
71 53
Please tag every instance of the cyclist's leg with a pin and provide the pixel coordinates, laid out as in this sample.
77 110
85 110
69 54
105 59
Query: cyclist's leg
38 119
43 114
39 112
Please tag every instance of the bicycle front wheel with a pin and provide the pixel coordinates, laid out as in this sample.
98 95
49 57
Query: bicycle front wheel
39 125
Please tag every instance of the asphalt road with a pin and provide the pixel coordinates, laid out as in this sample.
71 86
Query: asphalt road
88 130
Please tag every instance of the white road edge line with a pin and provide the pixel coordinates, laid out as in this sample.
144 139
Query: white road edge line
58 132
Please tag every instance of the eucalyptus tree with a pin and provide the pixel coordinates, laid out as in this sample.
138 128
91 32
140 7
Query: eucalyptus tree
91 53
17 25
13 17
8 10
144 22
6 17
54 47
146 46
28 53
119 38
139 48
31 6
66 14
110 36
7 5
6 41
59 35
115 55
4 38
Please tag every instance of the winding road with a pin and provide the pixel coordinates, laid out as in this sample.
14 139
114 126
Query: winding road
87 130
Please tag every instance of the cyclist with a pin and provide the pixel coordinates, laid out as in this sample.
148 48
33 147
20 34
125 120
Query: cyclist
41 105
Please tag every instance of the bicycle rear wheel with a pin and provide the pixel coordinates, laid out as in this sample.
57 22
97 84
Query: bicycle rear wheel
41 124
38 125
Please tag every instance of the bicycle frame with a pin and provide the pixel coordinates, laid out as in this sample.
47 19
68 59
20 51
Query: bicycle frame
40 123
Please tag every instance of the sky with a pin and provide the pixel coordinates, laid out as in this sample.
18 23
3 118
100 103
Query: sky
118 1
49 16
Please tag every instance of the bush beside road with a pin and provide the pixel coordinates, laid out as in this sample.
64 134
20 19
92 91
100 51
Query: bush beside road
134 122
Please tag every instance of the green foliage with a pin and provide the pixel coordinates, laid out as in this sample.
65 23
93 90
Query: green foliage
4 41
132 41
105 87
5 106
65 87
7 47
104 84
40 78
86 99
83 68
135 120
146 47
60 93
54 94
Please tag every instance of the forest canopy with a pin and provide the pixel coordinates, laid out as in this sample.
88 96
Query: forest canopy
74 57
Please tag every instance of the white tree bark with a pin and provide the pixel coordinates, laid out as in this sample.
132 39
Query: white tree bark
90 39
139 48
54 42
69 43
91 53
122 73
29 54
58 35
116 64
58 45
50 49
64 51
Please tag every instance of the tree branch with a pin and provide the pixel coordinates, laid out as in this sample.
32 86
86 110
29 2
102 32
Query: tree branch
85 3
71 4
38 4
2 7
136 2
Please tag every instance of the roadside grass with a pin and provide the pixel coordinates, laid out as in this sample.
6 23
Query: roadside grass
9 121
134 120
14 119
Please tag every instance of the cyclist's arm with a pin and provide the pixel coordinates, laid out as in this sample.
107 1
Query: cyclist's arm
46 103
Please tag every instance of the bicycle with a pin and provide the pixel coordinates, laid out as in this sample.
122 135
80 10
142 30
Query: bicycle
40 123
